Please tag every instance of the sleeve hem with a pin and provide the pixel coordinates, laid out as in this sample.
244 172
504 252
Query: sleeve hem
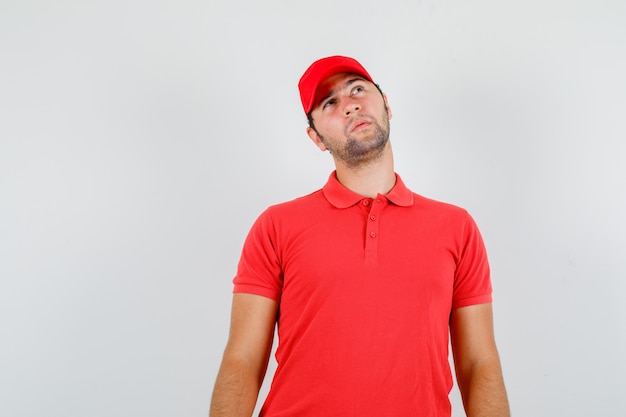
256 290
469 301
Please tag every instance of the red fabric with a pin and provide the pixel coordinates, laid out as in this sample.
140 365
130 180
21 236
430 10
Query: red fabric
321 70
365 287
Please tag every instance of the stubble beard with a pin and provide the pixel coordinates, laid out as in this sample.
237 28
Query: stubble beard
357 153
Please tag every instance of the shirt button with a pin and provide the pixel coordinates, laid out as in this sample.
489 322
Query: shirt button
373 234
366 202
378 200
372 217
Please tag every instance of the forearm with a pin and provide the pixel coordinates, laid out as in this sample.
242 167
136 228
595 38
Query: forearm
236 390
246 356
482 389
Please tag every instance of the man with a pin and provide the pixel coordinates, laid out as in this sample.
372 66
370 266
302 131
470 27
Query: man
365 280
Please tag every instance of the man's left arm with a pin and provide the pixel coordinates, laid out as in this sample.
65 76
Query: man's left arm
477 363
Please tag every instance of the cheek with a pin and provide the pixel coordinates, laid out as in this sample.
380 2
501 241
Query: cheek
330 124
335 126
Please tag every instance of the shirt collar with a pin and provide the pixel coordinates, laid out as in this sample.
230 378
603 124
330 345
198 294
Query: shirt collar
341 197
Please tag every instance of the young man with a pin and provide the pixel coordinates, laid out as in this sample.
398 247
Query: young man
365 279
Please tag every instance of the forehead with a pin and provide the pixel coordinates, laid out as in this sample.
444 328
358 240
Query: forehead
334 84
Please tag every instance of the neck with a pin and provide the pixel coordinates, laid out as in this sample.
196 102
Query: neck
371 179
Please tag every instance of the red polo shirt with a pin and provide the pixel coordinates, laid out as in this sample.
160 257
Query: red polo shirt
365 287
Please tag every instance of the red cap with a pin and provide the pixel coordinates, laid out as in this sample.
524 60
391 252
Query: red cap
322 69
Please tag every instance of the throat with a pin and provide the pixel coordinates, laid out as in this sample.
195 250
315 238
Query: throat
371 179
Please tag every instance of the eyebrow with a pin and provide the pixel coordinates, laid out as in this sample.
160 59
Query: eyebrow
345 85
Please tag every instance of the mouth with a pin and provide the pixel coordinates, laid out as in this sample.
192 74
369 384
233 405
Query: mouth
359 125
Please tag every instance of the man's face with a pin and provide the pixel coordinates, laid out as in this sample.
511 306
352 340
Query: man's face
351 120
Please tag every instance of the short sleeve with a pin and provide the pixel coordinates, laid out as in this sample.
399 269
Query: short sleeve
472 280
259 271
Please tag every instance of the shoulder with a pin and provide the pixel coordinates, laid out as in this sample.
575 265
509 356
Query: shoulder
443 216
296 208
297 204
428 204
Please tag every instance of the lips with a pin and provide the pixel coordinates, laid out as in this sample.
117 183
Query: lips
358 125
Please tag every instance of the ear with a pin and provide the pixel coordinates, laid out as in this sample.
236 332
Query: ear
389 115
315 138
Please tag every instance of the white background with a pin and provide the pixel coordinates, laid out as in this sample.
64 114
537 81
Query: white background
140 139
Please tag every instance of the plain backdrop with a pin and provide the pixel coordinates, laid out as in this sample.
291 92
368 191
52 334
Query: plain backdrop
139 140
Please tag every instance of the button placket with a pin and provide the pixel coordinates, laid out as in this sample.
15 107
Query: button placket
372 229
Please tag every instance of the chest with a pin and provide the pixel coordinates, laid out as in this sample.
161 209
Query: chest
370 252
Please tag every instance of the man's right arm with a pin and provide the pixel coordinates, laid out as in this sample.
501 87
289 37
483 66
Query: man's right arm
245 360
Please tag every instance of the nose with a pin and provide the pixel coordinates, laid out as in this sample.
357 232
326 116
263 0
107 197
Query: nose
352 107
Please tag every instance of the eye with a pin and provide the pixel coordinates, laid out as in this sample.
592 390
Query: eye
328 103
357 90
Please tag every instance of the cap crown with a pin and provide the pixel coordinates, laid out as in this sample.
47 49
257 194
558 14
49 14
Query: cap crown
322 69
